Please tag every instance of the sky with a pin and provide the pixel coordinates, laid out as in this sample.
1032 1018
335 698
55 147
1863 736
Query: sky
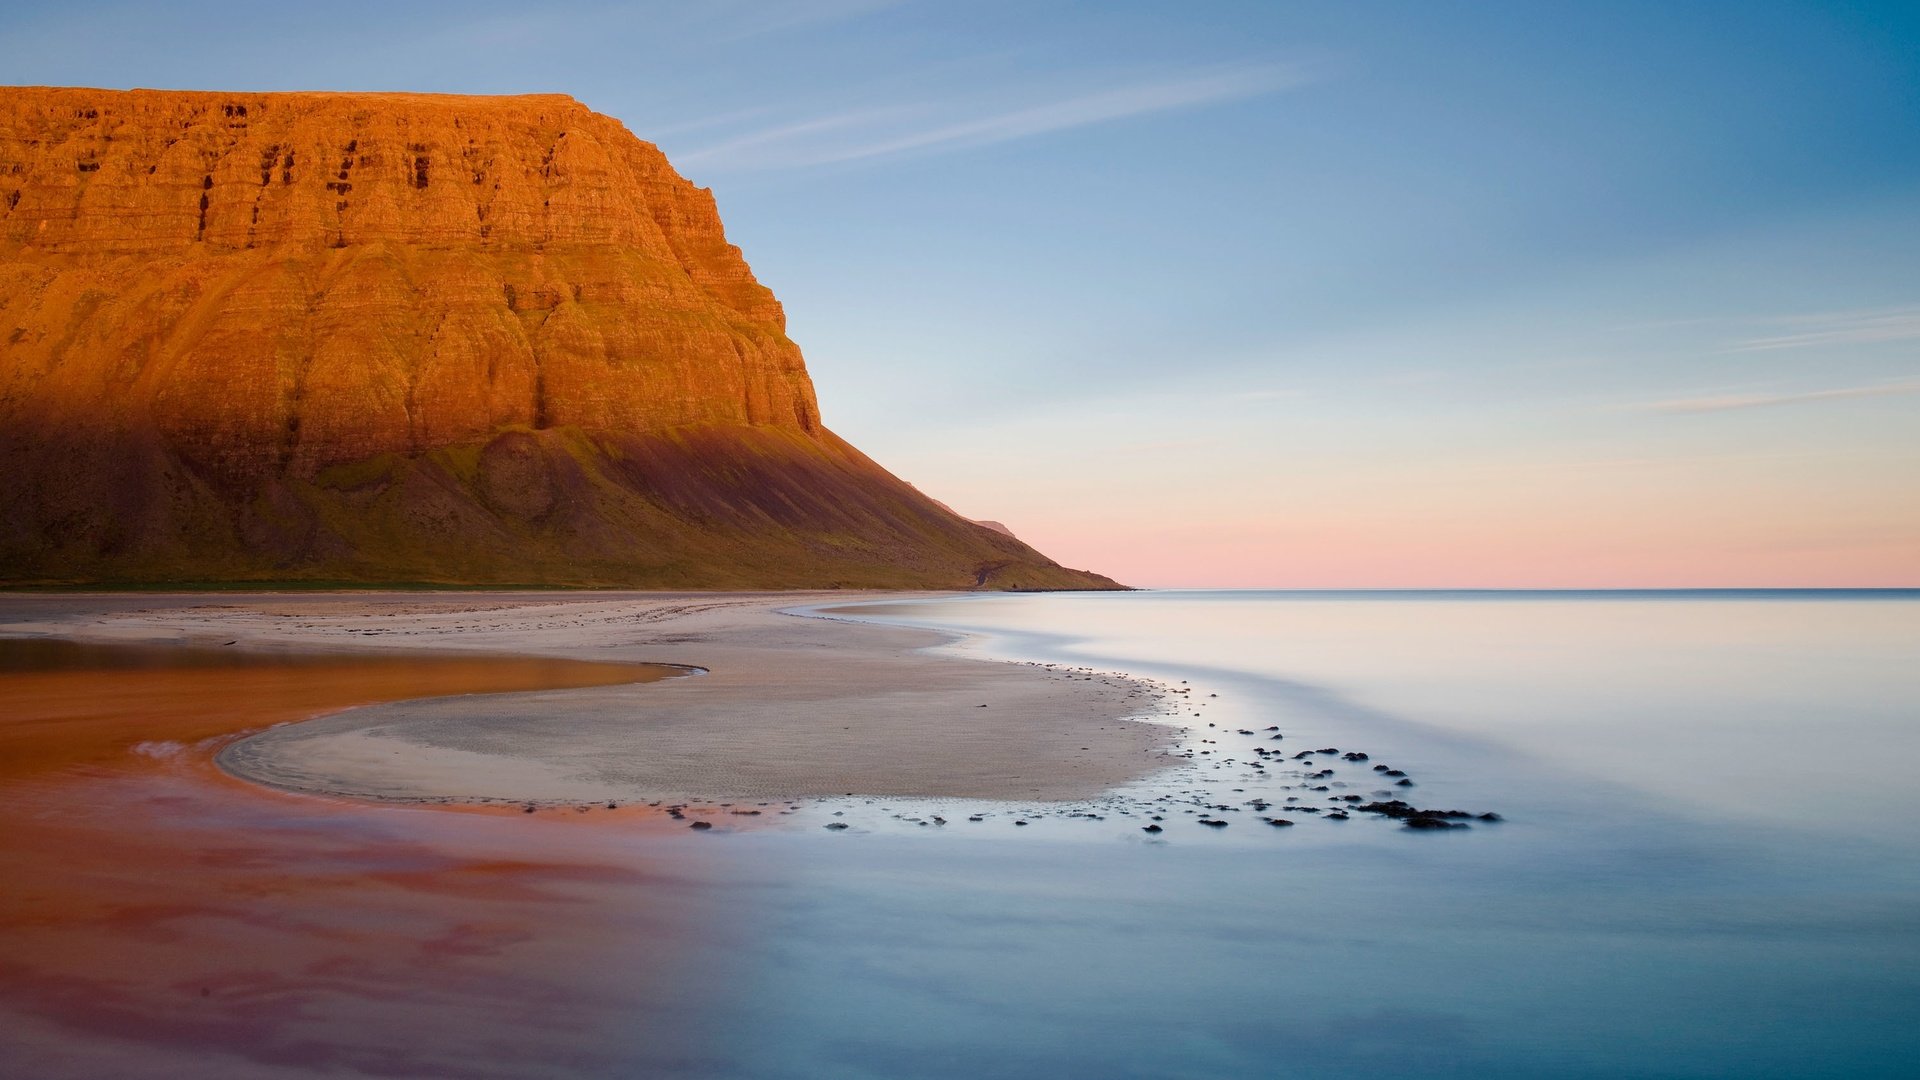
1344 294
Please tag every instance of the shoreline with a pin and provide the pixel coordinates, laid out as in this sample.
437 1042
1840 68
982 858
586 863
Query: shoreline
790 706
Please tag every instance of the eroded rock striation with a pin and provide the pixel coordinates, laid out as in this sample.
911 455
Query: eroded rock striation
412 338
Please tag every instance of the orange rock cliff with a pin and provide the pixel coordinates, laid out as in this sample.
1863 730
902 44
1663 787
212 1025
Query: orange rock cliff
412 338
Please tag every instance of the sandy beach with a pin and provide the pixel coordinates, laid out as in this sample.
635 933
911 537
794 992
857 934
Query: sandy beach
774 706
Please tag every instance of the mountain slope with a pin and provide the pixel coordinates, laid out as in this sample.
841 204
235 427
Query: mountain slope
413 338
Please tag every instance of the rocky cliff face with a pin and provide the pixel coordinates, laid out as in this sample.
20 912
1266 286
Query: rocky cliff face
396 337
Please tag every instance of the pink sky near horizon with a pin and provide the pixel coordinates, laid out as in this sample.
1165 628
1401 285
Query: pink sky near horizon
1251 560
1388 550
1372 492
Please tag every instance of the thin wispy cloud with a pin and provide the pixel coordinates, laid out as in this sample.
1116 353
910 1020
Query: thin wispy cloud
715 21
755 17
656 132
489 33
873 133
745 146
1838 328
1725 402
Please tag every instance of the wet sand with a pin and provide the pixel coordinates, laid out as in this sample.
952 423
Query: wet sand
165 917
785 707
161 918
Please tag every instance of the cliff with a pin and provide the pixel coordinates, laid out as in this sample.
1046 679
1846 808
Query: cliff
412 338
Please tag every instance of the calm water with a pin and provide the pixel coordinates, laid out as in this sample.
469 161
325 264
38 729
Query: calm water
1708 869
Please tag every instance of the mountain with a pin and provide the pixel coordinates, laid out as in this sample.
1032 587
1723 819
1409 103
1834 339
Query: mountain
413 338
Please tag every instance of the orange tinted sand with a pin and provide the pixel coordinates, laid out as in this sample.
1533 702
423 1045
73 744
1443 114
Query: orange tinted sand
159 917
80 715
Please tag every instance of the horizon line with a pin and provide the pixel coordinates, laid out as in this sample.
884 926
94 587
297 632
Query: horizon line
1637 589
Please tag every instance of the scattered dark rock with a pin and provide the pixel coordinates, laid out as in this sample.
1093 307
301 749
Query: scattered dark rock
836 825
1278 822
1415 816
1213 823
1152 829
1390 772
1424 822
1403 782
700 825
1354 755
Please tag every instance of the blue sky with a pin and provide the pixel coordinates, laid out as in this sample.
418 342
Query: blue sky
1267 293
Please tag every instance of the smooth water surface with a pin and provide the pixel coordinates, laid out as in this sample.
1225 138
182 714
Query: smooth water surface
1706 870
1795 709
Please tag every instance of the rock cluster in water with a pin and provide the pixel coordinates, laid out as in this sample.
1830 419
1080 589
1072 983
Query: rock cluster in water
1208 790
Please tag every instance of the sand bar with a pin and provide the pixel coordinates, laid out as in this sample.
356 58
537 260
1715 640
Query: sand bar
788 707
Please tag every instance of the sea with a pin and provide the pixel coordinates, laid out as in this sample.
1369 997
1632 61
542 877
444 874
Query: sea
1709 863
1702 860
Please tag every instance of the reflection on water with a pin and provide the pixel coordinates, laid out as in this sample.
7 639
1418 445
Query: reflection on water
1683 887
161 919
1708 868
1797 709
